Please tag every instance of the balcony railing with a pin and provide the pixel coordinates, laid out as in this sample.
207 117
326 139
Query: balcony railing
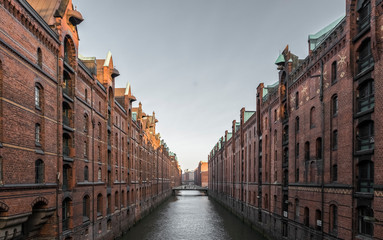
366 103
366 143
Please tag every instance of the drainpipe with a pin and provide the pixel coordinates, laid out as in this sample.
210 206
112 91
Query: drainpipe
58 146
93 125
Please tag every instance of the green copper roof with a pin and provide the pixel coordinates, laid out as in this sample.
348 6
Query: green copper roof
229 135
280 59
248 115
316 39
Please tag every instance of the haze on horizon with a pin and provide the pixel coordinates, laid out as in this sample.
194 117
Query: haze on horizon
196 63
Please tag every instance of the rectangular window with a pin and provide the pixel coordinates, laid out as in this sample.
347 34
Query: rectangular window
37 133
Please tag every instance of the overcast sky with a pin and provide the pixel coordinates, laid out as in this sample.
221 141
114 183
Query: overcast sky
196 63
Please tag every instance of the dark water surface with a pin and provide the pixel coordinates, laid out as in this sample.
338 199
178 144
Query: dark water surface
191 216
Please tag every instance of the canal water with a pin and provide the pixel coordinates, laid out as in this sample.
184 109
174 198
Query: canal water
190 215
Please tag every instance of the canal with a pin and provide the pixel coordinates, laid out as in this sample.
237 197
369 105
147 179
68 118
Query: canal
190 215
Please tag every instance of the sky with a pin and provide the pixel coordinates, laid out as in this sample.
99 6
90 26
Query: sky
196 63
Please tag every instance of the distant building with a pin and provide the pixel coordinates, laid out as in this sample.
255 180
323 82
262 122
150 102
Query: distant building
201 174
188 177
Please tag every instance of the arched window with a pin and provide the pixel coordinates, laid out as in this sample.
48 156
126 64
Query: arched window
364 12
69 51
333 218
122 199
86 173
365 226
312 117
365 59
319 148
38 134
366 176
334 105
306 221
99 205
38 96
365 135
307 151
365 96
66 213
39 58
334 72
39 171
86 208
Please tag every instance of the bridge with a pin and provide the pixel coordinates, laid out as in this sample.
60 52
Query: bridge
190 188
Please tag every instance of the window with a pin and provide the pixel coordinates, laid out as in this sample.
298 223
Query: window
99 175
67 174
297 124
285 134
296 100
86 95
85 149
39 171
319 148
37 134
366 176
307 151
39 58
297 175
318 220
86 173
312 117
297 209
67 84
334 105
364 11
116 201
66 144
307 217
365 135
335 140
86 208
86 123
365 96
297 151
334 72
38 96
334 173
99 130
66 114
1 170
365 226
333 218
66 214
365 60
99 153
109 204
99 205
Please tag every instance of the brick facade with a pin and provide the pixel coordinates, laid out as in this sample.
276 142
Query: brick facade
306 164
76 161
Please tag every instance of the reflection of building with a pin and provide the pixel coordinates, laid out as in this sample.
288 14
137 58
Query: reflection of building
73 162
188 177
201 174
306 164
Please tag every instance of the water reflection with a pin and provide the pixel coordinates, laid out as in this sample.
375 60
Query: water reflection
191 215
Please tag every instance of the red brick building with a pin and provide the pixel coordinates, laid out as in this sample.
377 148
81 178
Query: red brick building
306 164
76 161
201 174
